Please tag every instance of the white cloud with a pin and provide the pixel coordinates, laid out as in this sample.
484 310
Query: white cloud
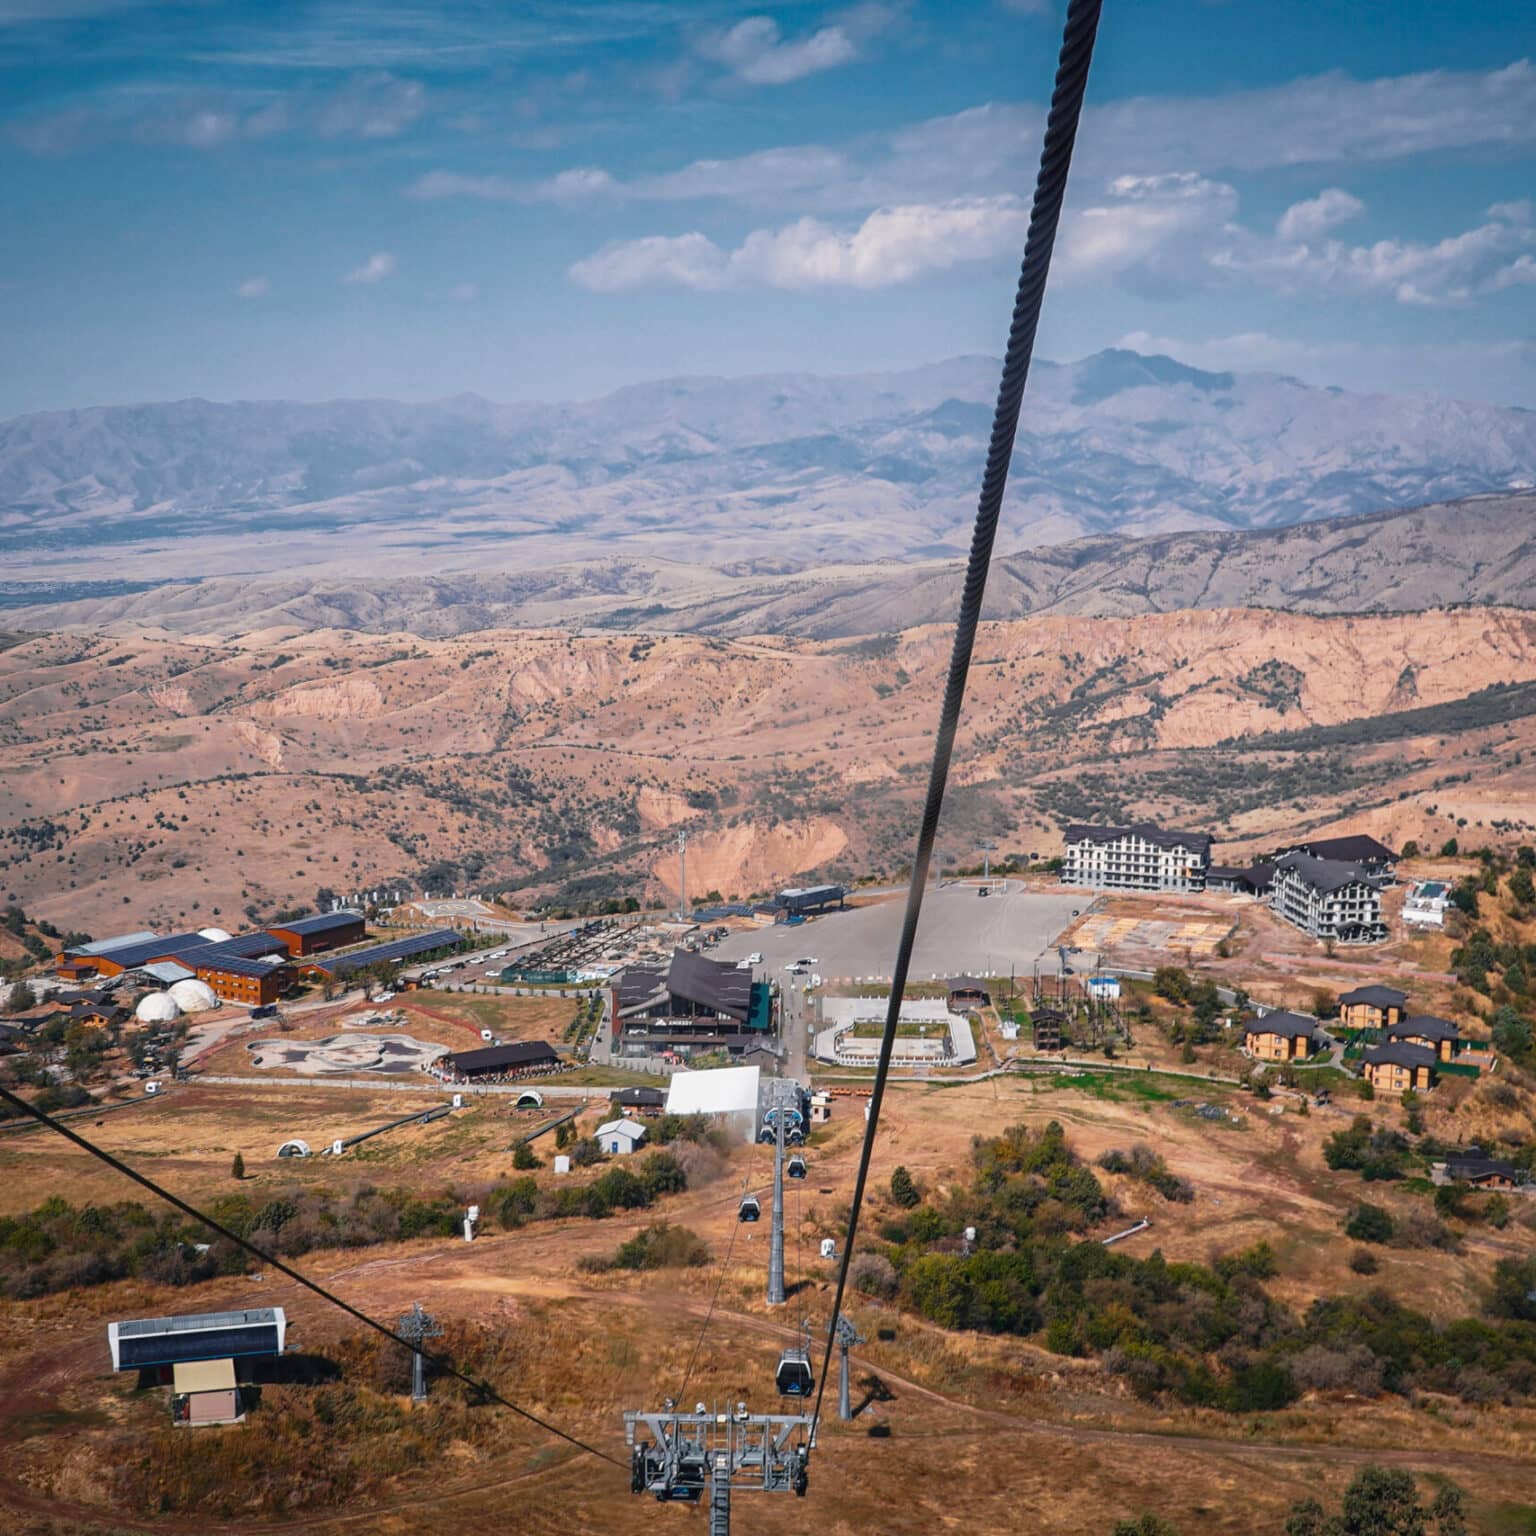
438 184
1444 272
765 177
755 50
1317 215
377 105
254 288
1522 211
891 246
1151 232
464 293
995 148
374 270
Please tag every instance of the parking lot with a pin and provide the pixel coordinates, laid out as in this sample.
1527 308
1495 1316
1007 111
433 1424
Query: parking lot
959 932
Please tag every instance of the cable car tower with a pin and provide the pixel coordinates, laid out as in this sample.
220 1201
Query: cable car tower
847 1336
682 1456
417 1327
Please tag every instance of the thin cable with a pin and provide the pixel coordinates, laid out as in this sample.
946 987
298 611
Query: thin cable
1082 25
704 1326
440 1362
720 1281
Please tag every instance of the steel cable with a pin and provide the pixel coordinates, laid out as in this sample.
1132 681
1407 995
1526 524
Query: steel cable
1078 36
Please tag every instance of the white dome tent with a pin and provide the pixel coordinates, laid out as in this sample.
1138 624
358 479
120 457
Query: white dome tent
157 1008
215 935
193 996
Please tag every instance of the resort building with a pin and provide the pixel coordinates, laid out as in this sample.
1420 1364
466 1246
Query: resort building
1135 858
1372 1007
1328 900
1281 1037
1371 855
1438 1035
1398 1066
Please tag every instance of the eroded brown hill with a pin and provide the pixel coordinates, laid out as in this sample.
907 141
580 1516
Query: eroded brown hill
152 779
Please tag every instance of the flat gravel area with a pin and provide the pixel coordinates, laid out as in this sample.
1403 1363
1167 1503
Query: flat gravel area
959 932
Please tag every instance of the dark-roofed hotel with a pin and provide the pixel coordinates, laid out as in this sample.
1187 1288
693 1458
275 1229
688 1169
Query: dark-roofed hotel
1135 858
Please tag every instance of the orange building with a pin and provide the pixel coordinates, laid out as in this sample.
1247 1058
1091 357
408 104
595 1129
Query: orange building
1438 1035
1281 1037
1372 1007
237 980
1397 1067
325 930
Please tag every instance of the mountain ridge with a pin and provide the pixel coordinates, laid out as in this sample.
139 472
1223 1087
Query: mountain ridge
810 468
1480 551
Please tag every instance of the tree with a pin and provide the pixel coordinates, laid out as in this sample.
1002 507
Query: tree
1148 1525
1171 982
237 1167
903 1190
1410 849
1521 886
524 1157
1449 848
22 997
1382 1502
1370 1224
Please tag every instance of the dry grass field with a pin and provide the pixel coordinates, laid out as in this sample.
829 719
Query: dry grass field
979 1427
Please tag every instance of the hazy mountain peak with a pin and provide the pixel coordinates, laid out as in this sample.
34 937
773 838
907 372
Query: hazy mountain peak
796 466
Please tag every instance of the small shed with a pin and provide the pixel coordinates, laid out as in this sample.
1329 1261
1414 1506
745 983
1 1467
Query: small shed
620 1137
1047 1025
966 992
205 1392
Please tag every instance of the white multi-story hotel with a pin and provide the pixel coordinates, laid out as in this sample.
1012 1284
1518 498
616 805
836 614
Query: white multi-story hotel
1136 858
1328 899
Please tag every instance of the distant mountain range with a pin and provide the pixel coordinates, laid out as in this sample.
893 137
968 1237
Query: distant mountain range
1481 551
793 469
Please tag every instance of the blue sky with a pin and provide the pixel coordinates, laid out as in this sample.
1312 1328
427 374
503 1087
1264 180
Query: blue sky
545 200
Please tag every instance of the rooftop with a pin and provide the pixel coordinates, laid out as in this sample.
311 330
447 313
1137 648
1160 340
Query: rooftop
490 1057
1326 874
1374 996
1399 1053
1355 848
321 922
1426 1026
1198 842
1292 1026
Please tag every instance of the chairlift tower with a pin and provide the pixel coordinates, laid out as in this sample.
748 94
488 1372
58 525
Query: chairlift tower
416 1327
776 1236
680 1457
847 1337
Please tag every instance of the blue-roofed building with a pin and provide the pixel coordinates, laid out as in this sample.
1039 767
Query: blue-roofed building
126 954
398 951
195 1356
324 930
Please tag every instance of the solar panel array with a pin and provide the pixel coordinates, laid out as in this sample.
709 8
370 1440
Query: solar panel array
321 922
396 949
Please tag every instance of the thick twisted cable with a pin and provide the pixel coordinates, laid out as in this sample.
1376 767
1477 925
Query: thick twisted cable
1078 36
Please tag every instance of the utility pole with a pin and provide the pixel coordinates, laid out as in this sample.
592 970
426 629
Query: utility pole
776 1238
682 877
417 1327
986 860
690 1454
847 1337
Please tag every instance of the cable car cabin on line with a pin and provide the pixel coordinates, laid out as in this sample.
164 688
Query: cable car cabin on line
794 1378
750 1209
795 1167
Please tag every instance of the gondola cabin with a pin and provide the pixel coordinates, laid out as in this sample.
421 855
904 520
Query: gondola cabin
794 1377
795 1167
750 1209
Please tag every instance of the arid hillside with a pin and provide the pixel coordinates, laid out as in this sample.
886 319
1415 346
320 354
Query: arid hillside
1477 551
150 779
